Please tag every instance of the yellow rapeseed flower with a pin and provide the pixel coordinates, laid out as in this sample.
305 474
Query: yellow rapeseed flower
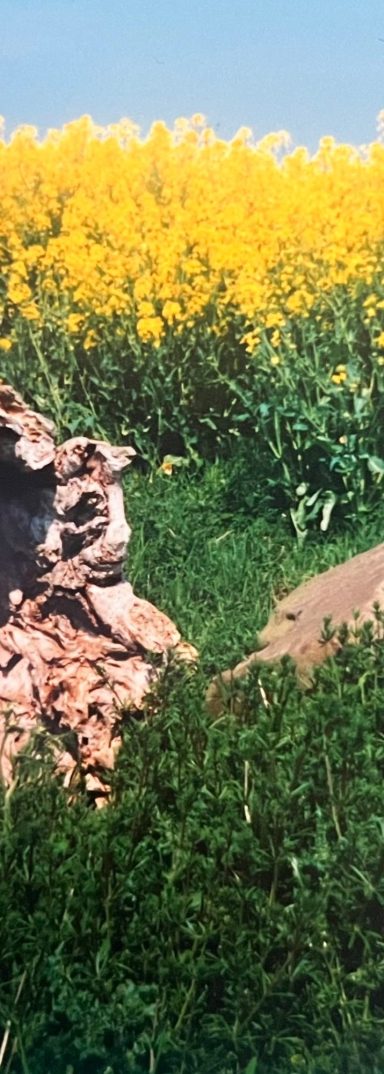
340 374
74 322
150 329
171 311
152 235
166 468
251 340
91 340
19 292
31 312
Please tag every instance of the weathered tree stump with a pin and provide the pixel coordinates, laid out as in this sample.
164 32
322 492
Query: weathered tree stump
74 638
345 594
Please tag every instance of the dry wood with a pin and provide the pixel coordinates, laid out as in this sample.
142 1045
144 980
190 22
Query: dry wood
74 638
346 594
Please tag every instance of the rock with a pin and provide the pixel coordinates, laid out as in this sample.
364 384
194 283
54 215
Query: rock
75 641
345 594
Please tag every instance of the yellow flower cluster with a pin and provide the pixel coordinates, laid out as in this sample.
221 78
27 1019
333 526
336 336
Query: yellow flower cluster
340 375
98 225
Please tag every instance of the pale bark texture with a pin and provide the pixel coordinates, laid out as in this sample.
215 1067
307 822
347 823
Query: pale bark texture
76 644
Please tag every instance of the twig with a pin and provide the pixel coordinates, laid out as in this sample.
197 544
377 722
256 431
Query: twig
263 694
247 812
5 1040
7 1030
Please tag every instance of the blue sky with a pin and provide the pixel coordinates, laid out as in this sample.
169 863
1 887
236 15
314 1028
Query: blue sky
312 67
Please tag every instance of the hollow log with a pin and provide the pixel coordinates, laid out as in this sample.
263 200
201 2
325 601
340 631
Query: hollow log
75 640
345 594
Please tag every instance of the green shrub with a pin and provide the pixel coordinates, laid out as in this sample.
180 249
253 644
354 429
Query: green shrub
321 415
226 913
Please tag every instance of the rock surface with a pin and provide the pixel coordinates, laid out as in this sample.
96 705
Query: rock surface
346 594
74 639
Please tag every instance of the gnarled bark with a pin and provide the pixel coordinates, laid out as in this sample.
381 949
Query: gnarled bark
74 638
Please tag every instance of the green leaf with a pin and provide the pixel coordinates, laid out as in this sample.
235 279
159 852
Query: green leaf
251 1067
376 465
329 503
102 955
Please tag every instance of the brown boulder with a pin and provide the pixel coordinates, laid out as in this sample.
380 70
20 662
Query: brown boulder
345 594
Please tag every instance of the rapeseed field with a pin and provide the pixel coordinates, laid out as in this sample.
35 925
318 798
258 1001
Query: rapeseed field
156 233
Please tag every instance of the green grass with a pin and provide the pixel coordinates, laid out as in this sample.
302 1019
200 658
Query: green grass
225 914
216 559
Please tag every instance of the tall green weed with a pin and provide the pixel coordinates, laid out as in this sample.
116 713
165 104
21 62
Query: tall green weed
308 406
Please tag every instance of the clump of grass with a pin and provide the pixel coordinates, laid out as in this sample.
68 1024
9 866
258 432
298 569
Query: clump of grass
212 551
